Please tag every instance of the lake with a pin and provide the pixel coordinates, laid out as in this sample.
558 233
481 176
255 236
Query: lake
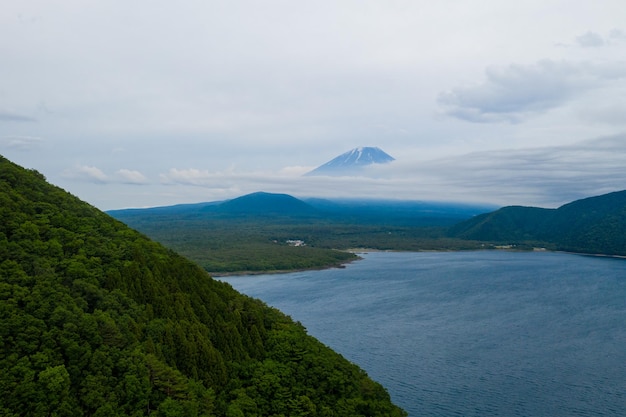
488 333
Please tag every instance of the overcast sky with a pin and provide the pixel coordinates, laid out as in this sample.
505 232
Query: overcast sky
141 103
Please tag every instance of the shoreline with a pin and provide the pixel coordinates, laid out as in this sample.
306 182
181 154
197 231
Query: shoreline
283 271
358 251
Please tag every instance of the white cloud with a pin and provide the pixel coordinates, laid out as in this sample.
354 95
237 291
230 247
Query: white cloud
94 174
20 143
295 170
131 177
86 173
190 176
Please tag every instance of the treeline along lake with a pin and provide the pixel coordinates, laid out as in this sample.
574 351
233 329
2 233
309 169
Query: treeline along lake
486 333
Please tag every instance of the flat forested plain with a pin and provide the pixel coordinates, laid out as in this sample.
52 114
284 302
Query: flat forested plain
258 232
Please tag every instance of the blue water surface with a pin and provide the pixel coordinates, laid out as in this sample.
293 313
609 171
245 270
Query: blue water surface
487 333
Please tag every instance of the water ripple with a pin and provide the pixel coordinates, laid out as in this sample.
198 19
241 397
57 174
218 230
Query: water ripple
472 333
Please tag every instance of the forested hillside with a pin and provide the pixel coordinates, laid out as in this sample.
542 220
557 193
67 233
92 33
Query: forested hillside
591 225
98 320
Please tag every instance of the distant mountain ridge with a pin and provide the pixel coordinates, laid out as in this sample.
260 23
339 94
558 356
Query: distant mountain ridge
352 161
267 205
591 225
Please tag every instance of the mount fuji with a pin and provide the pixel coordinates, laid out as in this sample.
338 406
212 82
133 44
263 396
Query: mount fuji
352 161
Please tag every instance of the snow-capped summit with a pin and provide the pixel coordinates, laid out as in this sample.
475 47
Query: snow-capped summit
352 161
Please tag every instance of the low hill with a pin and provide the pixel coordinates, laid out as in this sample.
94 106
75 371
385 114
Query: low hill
98 320
591 225
515 223
265 204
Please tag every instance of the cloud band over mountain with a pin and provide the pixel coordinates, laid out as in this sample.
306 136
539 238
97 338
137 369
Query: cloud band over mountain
557 175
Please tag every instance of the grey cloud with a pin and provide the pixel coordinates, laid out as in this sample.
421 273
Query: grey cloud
6 116
232 183
513 93
617 34
548 176
590 40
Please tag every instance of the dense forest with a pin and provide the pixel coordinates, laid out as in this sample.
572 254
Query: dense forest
98 320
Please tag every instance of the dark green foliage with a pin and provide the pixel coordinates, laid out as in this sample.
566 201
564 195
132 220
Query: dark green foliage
97 320
506 224
592 225
265 204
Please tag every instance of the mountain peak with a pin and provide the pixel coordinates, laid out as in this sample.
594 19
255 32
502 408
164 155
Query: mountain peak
353 161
